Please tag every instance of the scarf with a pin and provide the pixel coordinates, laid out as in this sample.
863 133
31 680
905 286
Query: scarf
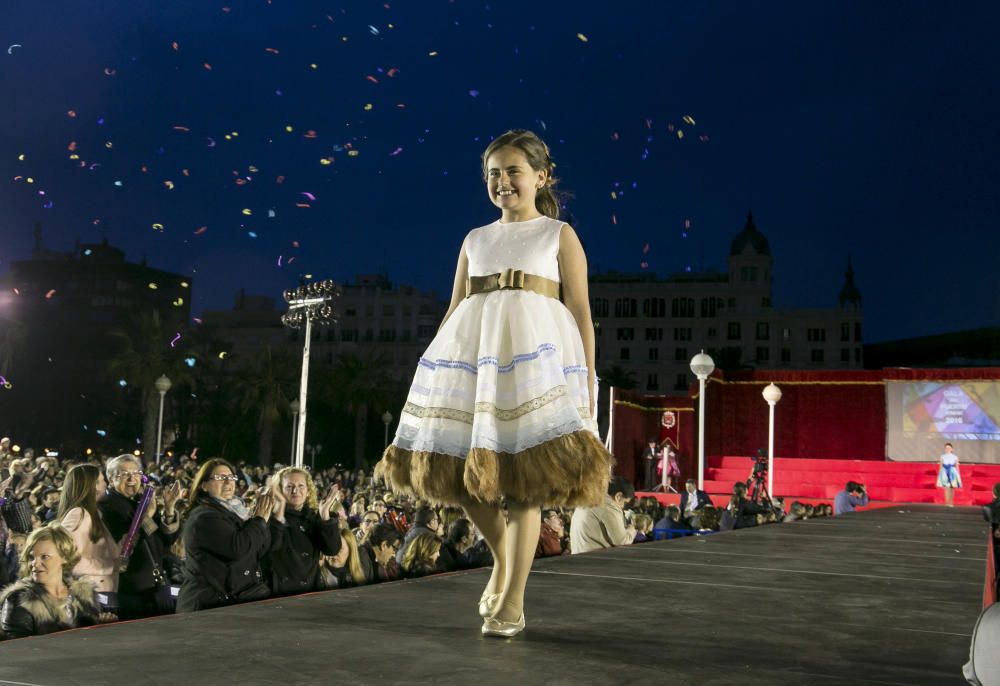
235 505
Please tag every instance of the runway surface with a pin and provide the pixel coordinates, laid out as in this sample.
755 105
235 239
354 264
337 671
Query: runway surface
887 596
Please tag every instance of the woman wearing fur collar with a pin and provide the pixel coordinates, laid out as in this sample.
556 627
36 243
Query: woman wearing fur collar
48 598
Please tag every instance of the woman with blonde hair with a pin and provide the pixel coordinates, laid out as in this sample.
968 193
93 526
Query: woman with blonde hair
302 530
421 556
47 598
78 514
348 567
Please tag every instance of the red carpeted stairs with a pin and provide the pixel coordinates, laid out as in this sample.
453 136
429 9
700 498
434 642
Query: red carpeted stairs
813 481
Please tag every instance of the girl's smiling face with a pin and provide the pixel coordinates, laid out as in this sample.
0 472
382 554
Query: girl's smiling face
512 184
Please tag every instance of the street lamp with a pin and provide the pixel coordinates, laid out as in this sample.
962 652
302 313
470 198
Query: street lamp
387 420
772 394
307 304
702 366
162 385
294 407
312 450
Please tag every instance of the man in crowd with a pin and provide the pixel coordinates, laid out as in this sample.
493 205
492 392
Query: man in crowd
139 584
693 500
593 528
46 512
650 458
853 496
550 535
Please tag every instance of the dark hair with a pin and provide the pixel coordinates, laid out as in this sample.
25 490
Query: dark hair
620 484
424 515
851 487
534 148
79 491
948 445
384 533
203 473
459 530
692 482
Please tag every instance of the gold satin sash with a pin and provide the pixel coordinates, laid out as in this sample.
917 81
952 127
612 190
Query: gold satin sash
511 279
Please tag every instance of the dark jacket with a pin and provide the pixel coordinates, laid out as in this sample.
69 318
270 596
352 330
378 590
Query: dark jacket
380 573
292 565
224 553
27 609
153 542
703 501
340 577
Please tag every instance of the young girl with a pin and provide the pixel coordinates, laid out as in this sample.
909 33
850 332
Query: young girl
948 477
501 407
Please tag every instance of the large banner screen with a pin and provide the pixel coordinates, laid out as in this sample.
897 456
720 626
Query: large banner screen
923 416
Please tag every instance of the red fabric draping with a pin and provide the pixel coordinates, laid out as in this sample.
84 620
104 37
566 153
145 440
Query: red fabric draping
822 414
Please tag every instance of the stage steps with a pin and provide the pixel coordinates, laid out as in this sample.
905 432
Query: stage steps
894 482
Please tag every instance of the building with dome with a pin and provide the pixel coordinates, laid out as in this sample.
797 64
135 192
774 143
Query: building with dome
651 327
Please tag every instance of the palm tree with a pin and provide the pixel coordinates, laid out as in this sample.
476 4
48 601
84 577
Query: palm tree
145 353
265 385
359 385
619 378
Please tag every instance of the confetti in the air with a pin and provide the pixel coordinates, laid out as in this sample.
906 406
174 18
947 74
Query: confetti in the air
10 50
176 338
582 37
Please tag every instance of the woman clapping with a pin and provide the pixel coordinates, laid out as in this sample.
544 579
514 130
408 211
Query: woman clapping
301 530
224 541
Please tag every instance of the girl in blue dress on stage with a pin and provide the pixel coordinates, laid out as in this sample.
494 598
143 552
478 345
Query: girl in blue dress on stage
500 414
948 476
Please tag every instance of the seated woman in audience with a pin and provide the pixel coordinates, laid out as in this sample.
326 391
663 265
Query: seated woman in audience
47 598
709 520
301 530
368 520
97 549
224 542
348 567
461 536
421 556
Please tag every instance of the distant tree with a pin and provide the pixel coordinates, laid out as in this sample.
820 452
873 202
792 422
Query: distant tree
144 353
265 385
619 378
360 385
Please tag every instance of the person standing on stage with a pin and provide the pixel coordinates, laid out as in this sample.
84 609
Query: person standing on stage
948 476
650 458
501 409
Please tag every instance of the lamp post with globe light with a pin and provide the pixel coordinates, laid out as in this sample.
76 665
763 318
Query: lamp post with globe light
387 420
162 386
308 304
702 366
772 394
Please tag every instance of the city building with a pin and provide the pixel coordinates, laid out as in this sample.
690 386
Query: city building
651 328
374 317
64 308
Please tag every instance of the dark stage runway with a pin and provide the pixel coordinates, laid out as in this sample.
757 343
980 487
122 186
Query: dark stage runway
880 597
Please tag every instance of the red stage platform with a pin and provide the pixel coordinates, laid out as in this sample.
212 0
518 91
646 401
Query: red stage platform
815 481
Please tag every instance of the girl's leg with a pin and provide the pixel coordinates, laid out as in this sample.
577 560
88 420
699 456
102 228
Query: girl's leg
522 540
489 519
949 495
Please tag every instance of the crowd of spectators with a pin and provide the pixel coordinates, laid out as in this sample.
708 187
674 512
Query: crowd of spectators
93 540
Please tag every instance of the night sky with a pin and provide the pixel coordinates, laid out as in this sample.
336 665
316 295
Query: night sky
860 127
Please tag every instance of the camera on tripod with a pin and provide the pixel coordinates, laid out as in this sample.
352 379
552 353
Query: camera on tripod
757 482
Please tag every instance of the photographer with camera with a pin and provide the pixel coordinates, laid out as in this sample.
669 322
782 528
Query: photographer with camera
852 497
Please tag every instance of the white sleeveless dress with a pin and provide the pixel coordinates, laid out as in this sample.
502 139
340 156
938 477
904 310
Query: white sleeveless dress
499 404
